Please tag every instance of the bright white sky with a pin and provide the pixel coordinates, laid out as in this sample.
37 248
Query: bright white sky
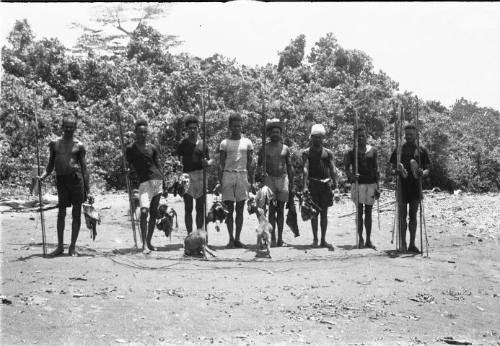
440 51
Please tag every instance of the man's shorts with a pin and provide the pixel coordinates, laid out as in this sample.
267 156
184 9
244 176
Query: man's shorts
195 188
321 194
234 186
149 189
279 186
70 189
366 193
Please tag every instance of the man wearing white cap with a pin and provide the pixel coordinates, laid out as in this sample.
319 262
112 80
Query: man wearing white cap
319 177
278 176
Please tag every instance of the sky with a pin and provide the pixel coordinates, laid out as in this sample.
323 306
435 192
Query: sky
437 50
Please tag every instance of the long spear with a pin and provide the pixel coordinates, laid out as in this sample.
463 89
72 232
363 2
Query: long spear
356 183
264 138
204 168
125 168
39 182
421 191
399 191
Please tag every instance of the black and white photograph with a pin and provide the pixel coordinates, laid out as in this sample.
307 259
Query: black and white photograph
250 173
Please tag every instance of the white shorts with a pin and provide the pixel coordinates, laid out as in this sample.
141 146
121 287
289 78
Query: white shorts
234 186
366 193
195 188
147 190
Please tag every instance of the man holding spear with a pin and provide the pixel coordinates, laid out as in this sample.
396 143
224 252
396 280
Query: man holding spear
144 157
67 157
410 172
366 191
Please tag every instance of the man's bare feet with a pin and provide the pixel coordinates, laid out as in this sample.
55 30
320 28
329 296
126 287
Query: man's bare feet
57 252
72 251
413 248
239 244
369 245
327 245
146 251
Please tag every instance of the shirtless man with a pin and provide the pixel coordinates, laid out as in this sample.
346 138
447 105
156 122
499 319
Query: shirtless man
319 177
144 157
410 189
67 157
235 174
278 176
368 183
190 151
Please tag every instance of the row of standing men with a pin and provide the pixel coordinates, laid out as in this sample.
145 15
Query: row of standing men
236 176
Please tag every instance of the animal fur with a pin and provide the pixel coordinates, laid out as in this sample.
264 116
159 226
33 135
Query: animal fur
165 219
217 214
195 244
264 228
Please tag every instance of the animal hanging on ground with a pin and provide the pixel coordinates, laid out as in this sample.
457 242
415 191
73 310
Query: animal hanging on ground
264 228
92 217
217 214
165 219
264 197
308 208
195 244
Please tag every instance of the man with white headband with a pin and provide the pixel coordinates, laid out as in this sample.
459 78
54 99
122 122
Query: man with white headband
319 177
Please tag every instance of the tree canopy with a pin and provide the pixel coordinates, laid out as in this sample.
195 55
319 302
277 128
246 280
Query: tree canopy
134 72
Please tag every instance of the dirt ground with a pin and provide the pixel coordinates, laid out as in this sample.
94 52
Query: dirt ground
112 295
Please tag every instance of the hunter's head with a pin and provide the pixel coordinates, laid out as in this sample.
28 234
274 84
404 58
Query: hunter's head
274 129
360 134
141 130
410 133
68 124
235 124
317 136
191 125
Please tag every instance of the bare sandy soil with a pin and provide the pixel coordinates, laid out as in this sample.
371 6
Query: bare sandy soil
111 295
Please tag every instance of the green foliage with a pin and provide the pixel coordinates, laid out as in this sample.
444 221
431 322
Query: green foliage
293 54
139 77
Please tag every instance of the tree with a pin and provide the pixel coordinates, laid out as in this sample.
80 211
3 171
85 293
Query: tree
293 54
119 24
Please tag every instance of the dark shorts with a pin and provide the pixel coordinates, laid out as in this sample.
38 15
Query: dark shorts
321 194
70 189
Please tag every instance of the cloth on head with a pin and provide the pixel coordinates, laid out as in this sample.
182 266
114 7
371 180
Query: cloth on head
272 123
318 129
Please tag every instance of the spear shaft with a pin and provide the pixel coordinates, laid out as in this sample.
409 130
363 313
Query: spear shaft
126 171
204 168
39 183
356 183
421 192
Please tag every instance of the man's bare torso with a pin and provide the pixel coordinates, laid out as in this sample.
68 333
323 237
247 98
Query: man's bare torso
67 156
276 154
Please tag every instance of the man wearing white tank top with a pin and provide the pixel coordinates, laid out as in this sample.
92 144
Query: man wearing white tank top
236 176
